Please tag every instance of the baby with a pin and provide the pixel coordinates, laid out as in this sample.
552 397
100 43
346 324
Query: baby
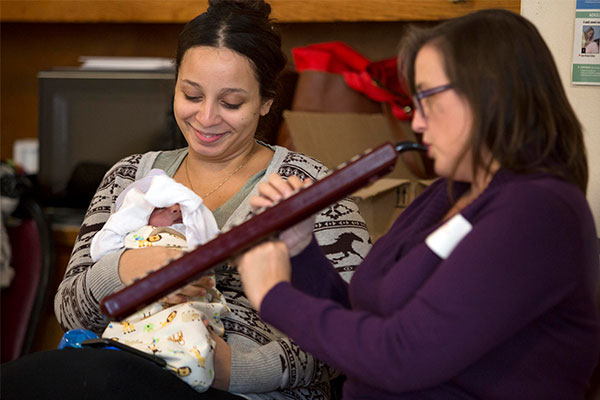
157 211
159 232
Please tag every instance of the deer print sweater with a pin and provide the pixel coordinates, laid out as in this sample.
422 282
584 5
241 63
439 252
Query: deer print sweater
265 363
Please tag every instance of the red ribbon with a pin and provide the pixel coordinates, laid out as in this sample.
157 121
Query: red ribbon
377 80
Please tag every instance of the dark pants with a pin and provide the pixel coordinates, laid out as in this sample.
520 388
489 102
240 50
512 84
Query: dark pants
90 373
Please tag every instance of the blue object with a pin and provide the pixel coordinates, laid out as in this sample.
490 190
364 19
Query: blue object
75 337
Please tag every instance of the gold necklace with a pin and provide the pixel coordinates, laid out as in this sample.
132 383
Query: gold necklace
187 174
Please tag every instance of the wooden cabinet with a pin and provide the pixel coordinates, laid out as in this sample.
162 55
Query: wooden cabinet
180 11
41 34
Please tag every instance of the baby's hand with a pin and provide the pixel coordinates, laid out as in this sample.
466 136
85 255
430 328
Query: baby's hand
193 290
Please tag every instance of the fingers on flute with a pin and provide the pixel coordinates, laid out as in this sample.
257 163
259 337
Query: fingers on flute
286 187
281 187
259 201
296 183
205 282
192 291
175 298
271 189
277 188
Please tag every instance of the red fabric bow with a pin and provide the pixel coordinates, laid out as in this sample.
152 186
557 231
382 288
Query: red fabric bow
377 80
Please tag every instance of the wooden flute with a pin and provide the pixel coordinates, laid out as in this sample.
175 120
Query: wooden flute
341 182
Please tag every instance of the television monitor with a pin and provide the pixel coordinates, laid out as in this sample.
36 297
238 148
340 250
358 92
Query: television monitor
90 119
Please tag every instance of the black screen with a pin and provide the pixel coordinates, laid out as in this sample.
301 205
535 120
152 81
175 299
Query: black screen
88 120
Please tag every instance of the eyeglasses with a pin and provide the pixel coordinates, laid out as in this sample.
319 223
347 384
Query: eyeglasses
419 96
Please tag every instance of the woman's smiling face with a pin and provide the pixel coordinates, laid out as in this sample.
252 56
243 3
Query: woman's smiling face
217 102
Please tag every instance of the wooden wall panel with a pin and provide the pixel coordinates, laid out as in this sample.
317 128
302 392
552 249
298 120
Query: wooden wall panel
283 10
40 34
26 49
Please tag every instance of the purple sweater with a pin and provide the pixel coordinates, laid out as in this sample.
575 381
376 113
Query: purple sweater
509 314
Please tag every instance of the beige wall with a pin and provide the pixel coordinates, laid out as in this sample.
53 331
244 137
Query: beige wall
555 20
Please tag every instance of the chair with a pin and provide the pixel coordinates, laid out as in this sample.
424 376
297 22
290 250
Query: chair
24 300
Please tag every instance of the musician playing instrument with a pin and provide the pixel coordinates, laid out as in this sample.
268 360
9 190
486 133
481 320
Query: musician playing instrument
485 286
227 64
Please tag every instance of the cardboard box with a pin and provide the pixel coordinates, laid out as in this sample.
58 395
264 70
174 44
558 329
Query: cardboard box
383 201
335 138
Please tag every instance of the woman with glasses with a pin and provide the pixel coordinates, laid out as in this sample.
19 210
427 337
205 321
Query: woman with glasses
484 288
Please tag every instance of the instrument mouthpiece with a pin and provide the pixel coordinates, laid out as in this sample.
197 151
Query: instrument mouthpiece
405 146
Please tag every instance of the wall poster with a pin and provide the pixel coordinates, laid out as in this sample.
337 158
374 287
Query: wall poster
586 46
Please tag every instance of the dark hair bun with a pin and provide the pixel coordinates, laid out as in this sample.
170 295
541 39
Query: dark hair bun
243 26
258 7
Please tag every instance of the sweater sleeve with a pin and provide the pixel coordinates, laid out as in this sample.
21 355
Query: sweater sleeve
85 284
263 359
514 265
313 274
280 364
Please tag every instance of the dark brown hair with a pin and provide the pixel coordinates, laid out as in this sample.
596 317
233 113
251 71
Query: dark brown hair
500 64
243 26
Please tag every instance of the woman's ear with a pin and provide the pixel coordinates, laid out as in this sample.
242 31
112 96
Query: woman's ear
265 107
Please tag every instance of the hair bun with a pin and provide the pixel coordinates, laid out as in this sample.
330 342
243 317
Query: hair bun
260 7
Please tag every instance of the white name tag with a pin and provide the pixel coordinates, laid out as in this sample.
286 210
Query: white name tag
444 239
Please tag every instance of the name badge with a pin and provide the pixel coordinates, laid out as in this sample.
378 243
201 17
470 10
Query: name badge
444 239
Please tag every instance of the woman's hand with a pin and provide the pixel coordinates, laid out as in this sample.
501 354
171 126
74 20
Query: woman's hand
275 189
195 289
263 267
137 263
222 362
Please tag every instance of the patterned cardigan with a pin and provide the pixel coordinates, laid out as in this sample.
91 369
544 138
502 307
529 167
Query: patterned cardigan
265 364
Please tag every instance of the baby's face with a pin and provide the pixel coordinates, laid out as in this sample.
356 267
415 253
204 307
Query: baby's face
166 216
